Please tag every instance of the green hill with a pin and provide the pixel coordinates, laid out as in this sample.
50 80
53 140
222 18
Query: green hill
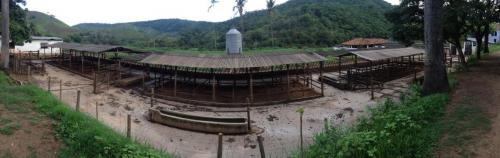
46 25
297 23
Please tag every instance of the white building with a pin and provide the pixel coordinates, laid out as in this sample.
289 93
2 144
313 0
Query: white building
495 36
38 44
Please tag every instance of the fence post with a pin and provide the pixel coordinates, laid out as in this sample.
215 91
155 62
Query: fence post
128 125
78 100
96 111
301 139
260 140
48 86
95 83
29 73
219 147
326 124
152 97
60 90
248 116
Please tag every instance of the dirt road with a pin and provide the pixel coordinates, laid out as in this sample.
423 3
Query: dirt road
472 127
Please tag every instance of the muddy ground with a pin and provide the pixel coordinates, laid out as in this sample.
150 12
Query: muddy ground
279 123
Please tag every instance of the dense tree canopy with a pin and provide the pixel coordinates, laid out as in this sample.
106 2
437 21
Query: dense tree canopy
20 29
296 23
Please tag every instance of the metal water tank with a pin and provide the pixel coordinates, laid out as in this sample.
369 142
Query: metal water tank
234 43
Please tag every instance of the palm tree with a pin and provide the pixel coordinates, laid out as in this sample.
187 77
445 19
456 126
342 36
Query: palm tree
436 79
5 33
240 5
270 7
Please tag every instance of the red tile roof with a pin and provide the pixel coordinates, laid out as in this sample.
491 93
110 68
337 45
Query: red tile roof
365 41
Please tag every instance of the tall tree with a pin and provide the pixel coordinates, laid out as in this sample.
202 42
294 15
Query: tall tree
270 10
455 18
407 20
240 7
436 78
19 26
477 23
492 15
5 33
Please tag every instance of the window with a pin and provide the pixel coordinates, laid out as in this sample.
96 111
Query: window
494 40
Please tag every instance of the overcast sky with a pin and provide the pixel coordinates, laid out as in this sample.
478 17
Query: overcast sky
74 12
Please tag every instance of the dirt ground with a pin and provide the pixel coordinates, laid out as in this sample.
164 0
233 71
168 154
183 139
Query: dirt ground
26 134
279 123
480 89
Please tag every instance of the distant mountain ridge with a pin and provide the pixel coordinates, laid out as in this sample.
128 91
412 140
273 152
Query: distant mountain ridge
309 23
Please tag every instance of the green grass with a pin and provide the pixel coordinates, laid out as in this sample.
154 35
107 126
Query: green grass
494 48
83 136
463 124
10 128
410 128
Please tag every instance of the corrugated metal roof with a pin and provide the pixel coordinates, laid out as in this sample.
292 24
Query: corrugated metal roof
383 54
46 38
232 61
93 48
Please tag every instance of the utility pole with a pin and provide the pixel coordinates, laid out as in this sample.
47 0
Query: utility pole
5 34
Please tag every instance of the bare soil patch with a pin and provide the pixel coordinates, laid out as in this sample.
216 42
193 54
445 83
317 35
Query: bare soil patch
26 134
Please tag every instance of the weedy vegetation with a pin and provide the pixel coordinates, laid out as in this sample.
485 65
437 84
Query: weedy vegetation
82 135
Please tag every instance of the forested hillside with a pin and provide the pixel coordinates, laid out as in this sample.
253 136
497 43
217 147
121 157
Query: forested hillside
296 23
48 25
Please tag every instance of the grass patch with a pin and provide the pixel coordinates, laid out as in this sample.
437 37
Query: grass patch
410 128
10 128
494 48
83 136
463 124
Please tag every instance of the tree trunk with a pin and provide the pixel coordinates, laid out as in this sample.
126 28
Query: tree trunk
479 46
461 55
486 38
5 33
436 78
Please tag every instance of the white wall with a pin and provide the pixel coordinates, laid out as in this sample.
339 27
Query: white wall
35 45
495 37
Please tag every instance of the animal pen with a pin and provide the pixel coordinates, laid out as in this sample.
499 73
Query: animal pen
369 69
100 63
234 80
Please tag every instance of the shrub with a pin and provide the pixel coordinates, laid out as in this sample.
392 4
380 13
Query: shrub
409 128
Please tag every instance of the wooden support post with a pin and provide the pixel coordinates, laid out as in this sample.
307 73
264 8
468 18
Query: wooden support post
49 83
29 73
83 59
213 85
219 146
152 97
251 88
340 66
288 82
301 138
249 120
321 66
98 63
97 111
326 124
175 82
260 140
95 83
371 88
119 70
108 76
60 90
77 107
129 124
